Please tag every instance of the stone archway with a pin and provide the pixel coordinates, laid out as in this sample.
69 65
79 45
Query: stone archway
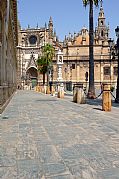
32 76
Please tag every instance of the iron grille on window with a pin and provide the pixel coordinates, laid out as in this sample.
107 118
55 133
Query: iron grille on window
73 66
115 71
106 70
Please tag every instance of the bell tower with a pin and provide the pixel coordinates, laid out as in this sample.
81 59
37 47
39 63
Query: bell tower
101 31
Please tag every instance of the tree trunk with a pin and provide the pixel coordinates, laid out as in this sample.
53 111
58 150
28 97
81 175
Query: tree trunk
47 75
43 79
91 90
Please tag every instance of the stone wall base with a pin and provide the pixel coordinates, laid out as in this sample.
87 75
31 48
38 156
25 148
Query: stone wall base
6 93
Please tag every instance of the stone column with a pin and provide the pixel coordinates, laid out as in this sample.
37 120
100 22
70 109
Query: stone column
101 73
77 71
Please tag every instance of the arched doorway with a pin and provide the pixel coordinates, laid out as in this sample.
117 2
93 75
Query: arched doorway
31 76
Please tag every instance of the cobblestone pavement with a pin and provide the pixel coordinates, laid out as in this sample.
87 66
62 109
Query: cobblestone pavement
43 137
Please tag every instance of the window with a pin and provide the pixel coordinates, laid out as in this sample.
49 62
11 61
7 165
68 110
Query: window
60 59
73 66
102 34
115 70
106 70
32 39
101 22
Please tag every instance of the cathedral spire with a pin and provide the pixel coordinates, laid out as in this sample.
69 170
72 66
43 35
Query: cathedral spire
101 13
45 25
50 25
101 31
50 20
101 2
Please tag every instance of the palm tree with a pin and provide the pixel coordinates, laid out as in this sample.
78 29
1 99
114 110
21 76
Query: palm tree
48 53
91 90
42 67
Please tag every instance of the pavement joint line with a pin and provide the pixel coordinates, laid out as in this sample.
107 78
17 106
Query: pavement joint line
84 139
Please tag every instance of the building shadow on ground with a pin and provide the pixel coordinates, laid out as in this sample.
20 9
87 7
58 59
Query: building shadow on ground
98 102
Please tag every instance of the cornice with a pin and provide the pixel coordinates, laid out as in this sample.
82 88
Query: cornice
14 3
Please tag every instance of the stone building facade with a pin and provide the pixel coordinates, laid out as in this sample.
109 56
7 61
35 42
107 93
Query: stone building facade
8 43
30 43
75 48
76 55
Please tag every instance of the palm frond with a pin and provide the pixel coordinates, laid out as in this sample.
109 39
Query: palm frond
96 2
86 2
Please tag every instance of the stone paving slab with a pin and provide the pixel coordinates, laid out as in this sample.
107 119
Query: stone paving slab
43 137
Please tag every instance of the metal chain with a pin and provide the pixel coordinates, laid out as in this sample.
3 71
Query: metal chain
85 92
101 94
113 95
96 97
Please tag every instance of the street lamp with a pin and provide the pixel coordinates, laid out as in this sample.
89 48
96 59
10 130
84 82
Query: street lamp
117 48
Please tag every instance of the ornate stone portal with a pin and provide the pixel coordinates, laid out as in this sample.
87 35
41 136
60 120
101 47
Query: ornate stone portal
31 41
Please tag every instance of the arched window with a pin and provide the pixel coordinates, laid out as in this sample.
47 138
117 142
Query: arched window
106 70
115 70
101 22
102 33
32 39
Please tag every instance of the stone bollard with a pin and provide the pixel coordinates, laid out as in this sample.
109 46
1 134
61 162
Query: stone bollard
60 94
35 88
80 96
75 95
41 89
106 98
38 88
52 91
44 89
48 90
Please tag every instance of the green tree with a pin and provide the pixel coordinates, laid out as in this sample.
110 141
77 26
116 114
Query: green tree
48 53
45 60
42 67
91 90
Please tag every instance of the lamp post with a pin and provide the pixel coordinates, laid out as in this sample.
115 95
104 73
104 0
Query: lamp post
117 90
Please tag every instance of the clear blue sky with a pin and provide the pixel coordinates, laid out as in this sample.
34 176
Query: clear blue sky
68 15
